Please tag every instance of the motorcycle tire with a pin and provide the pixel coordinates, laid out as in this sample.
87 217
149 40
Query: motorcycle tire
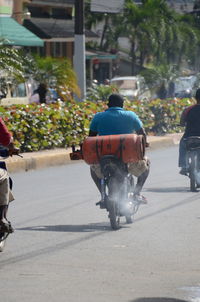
112 205
2 242
113 216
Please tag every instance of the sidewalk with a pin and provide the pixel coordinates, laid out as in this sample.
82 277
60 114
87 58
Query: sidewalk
47 158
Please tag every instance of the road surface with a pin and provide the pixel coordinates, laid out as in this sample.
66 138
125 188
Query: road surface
63 248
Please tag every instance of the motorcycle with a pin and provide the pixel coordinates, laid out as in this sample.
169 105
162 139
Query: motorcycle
117 184
193 161
117 187
4 153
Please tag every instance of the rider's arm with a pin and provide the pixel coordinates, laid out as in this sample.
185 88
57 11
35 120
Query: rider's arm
141 131
182 119
5 136
94 126
6 139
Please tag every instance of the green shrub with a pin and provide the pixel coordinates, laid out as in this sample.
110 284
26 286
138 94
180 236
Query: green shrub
38 127
160 116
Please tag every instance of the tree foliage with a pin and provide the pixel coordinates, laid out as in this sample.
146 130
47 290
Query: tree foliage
157 35
12 62
39 127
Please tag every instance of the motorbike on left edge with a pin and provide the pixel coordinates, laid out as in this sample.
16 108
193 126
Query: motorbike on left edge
4 153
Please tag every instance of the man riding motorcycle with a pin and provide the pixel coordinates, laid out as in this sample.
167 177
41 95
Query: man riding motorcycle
116 120
190 119
5 194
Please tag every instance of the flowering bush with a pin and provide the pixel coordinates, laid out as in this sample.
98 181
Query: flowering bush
38 127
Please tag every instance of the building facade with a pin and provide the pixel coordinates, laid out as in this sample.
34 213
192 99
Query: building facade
181 6
53 22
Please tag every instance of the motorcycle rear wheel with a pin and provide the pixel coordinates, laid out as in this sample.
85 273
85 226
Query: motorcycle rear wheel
113 216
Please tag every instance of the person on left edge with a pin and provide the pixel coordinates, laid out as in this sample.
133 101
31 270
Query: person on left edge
5 194
116 120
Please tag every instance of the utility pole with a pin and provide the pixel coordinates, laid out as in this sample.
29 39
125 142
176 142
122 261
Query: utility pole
79 51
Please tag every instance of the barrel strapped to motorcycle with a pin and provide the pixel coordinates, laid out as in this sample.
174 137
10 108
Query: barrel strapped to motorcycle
127 147
117 154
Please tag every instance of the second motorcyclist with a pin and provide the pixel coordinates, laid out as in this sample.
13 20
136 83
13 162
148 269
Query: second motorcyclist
190 120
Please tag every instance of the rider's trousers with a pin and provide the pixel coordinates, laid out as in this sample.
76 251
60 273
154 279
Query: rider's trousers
141 171
182 154
5 193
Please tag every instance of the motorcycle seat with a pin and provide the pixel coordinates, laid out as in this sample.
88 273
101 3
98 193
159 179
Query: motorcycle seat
192 142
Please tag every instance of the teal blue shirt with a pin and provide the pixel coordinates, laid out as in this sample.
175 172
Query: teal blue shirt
115 120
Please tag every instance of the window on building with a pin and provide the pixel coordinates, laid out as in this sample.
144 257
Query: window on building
60 13
39 12
64 49
57 52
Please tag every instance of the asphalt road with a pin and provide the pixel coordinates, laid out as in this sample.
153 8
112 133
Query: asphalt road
64 250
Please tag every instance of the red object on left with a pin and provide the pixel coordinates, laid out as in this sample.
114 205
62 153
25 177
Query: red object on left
5 135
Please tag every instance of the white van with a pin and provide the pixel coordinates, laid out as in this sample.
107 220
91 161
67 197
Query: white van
15 93
132 87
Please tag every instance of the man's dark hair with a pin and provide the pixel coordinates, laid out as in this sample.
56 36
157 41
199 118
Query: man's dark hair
115 100
197 96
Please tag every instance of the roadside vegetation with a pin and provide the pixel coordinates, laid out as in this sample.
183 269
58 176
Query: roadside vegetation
40 127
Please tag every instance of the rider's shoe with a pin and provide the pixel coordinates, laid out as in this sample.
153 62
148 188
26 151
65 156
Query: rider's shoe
102 203
183 171
5 226
140 198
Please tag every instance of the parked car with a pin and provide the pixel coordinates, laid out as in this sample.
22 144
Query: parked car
15 93
132 87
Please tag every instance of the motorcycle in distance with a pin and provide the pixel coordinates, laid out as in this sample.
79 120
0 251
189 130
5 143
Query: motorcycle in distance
193 161
4 153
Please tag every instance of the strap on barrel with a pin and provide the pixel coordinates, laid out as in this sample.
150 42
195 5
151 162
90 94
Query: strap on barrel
97 149
120 149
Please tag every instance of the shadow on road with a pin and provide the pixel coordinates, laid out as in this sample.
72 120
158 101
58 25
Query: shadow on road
181 203
93 227
69 228
167 190
158 300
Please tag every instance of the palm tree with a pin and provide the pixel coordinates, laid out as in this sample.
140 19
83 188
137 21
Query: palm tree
56 72
158 36
149 26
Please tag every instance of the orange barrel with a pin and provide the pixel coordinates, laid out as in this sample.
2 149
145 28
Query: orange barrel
127 147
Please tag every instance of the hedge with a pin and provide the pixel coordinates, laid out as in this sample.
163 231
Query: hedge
39 127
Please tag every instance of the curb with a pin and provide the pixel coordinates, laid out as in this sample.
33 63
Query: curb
164 141
38 160
56 157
